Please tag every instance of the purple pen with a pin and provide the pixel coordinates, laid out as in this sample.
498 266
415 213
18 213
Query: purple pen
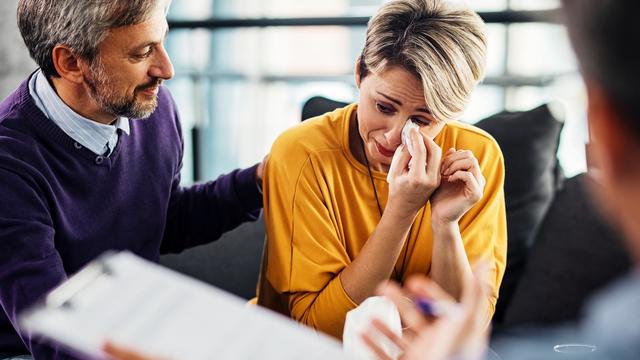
437 308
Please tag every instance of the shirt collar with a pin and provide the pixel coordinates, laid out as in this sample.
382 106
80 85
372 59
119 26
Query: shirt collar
91 134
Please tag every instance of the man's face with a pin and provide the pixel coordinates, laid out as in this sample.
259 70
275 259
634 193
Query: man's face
130 66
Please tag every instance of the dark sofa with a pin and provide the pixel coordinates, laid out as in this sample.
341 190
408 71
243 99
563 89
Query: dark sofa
560 251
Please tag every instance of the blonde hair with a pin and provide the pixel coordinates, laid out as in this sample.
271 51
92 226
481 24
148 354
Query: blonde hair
443 46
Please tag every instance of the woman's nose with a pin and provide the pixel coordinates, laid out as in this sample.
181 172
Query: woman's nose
393 134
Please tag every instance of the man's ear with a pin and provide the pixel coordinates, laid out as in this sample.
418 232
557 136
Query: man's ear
67 64
614 146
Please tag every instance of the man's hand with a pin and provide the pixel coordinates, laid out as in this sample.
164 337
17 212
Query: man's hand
117 352
260 171
459 334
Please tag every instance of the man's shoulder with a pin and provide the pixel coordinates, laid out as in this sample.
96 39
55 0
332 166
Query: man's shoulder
609 310
11 106
166 103
17 138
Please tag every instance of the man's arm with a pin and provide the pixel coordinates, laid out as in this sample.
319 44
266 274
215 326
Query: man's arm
30 265
203 212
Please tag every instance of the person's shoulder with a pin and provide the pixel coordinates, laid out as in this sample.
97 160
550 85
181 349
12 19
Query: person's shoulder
468 132
166 103
20 149
318 134
165 119
467 136
17 135
14 103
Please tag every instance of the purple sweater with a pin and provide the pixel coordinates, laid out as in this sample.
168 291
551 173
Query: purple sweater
62 205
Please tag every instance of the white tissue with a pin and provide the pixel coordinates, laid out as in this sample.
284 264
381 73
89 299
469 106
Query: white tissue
406 139
358 321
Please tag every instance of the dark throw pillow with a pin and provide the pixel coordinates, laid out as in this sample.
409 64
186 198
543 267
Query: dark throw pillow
575 254
529 142
319 105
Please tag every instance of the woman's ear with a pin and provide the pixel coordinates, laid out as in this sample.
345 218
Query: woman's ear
357 72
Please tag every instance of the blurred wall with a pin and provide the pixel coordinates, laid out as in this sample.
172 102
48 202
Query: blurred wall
15 63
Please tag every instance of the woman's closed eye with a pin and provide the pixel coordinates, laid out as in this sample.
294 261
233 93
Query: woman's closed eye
420 121
385 109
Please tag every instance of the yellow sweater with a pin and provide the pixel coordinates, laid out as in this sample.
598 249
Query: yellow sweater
320 209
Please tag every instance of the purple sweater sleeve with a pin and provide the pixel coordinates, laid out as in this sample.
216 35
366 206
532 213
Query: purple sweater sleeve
203 212
30 266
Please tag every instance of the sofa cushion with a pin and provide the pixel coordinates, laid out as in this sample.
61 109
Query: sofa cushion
529 142
231 263
574 255
319 105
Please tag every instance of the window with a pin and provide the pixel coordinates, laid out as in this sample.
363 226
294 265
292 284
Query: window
240 87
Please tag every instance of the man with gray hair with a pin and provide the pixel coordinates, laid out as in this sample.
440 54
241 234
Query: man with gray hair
90 155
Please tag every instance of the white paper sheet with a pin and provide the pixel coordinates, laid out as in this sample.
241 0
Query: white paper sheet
145 306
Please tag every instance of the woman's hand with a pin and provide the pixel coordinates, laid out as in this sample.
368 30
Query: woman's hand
462 186
414 174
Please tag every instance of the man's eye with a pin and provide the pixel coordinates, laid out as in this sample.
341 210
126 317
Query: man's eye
144 55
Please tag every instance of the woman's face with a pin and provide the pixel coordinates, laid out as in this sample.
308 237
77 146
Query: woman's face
387 101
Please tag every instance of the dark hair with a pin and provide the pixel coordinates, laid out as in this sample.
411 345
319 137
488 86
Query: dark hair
80 24
605 34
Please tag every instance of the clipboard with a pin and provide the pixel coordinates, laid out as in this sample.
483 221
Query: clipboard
135 303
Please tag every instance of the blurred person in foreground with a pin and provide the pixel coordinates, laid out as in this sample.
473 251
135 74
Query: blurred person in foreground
602 33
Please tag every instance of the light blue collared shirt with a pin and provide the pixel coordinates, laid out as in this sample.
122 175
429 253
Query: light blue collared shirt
99 138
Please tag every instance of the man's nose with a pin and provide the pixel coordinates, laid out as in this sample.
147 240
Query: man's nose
162 68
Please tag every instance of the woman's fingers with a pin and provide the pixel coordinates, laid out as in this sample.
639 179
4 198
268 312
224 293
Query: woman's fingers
475 189
465 163
434 158
418 151
462 160
425 163
453 155
399 162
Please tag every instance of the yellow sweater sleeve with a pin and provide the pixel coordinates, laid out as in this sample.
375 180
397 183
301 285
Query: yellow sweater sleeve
305 251
484 227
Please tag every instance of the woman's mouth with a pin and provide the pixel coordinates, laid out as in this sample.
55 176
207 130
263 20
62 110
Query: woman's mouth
384 151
